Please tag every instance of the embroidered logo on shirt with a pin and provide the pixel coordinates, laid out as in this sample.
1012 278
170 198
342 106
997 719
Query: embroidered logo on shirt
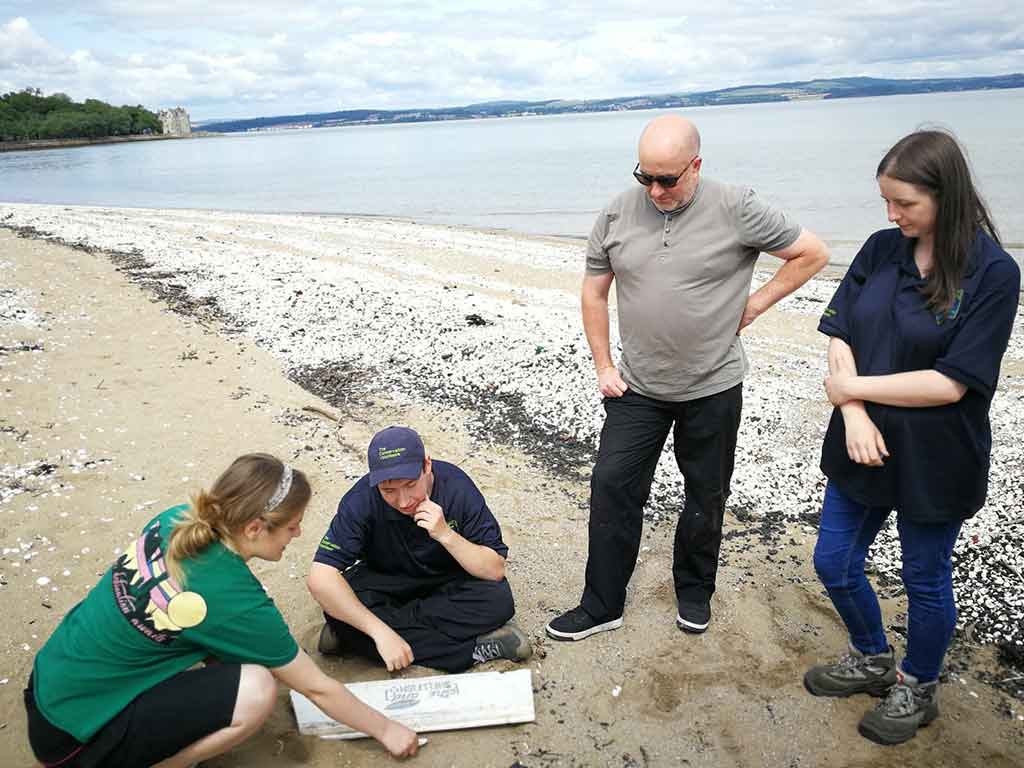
829 313
953 311
328 545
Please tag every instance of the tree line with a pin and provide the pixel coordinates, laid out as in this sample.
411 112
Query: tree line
28 115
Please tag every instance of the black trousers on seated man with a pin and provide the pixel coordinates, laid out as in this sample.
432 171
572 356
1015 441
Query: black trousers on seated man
634 433
440 618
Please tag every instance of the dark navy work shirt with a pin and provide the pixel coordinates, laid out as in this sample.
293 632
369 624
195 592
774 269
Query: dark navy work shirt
937 470
366 528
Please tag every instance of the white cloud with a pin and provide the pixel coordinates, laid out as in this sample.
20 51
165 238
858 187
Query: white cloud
22 49
253 57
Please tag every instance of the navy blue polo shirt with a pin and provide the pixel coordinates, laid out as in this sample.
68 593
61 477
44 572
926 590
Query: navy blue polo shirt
937 470
366 528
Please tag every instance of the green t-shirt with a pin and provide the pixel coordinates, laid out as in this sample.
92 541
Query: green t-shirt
138 627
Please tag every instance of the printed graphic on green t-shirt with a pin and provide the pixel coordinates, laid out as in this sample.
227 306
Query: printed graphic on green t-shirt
152 602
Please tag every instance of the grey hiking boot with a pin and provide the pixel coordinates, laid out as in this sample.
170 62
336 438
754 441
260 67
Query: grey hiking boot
328 644
507 642
854 673
909 706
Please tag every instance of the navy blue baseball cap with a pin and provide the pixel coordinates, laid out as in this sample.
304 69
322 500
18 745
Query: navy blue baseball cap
395 453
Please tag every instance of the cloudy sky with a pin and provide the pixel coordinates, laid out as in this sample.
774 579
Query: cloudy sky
247 58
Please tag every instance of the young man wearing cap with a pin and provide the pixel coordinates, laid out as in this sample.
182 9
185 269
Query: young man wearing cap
412 567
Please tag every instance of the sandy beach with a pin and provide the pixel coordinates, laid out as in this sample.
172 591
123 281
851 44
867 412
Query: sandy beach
141 350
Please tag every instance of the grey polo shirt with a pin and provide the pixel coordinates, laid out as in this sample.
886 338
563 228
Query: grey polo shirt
682 281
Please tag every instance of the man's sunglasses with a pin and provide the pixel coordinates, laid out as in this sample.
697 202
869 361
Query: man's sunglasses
663 181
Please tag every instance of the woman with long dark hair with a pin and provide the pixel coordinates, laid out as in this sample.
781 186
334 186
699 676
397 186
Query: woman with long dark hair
118 684
918 329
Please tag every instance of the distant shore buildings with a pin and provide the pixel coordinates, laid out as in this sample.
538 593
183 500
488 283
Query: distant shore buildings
832 88
175 122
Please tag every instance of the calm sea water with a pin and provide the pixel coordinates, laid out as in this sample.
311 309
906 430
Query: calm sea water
543 175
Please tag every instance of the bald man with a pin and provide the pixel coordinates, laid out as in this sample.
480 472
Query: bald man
681 250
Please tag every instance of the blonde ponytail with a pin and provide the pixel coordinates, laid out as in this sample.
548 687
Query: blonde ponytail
241 494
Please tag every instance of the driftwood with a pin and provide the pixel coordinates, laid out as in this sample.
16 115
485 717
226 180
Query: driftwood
333 417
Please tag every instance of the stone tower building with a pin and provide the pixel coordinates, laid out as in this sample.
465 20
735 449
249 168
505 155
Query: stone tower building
175 122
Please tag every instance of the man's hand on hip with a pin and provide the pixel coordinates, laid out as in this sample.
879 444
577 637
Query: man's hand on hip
610 383
750 314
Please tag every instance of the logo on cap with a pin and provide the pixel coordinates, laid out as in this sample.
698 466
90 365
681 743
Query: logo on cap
395 453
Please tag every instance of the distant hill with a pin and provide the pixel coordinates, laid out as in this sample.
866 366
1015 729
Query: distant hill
837 88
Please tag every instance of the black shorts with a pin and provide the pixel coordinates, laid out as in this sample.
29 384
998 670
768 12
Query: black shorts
157 724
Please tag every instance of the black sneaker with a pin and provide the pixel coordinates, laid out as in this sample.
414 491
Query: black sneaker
507 642
694 617
328 644
854 673
908 706
577 624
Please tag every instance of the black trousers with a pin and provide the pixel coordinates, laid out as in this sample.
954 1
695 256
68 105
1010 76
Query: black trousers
440 618
634 433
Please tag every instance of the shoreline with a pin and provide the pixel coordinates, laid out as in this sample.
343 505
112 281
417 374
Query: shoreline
835 269
106 426
38 145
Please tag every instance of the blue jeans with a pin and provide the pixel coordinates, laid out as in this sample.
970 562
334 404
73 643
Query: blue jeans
847 531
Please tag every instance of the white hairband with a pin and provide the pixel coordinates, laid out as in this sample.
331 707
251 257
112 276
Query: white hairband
283 486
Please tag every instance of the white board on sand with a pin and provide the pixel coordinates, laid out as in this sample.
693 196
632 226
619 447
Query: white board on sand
439 703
